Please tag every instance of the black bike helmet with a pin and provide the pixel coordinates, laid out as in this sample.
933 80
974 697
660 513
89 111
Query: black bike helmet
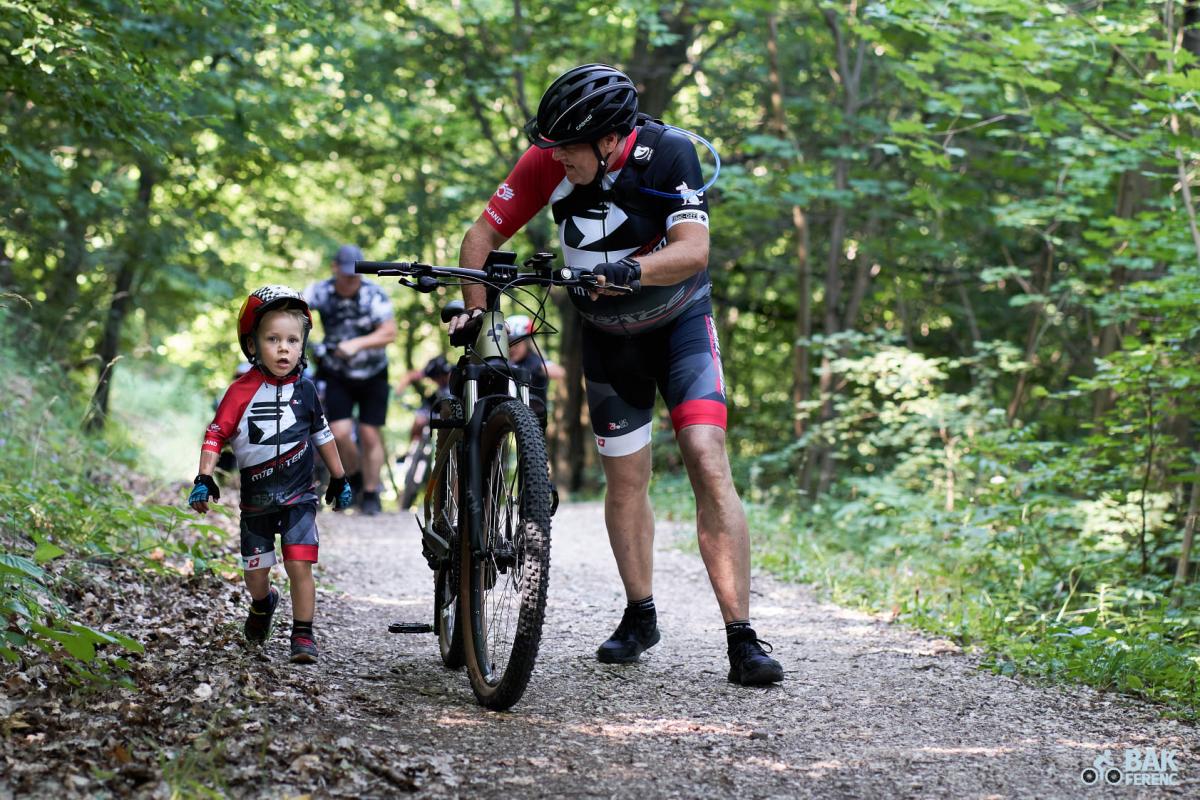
438 365
582 105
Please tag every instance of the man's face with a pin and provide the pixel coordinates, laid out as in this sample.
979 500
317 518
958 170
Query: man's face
579 161
345 285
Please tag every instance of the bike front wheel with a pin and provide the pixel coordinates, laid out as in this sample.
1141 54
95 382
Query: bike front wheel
504 584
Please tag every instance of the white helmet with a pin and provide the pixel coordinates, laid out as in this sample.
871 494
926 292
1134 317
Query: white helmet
519 325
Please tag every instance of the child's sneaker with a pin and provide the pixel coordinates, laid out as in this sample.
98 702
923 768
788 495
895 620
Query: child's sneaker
304 650
258 623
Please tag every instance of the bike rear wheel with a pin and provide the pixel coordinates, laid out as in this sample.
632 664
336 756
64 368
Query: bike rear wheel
414 475
504 585
443 518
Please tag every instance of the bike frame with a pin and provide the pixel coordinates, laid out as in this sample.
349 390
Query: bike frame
488 362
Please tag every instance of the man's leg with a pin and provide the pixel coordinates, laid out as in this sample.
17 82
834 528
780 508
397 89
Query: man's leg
725 548
372 397
630 520
370 440
720 518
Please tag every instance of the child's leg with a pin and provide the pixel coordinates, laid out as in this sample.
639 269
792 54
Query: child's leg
304 589
299 554
258 581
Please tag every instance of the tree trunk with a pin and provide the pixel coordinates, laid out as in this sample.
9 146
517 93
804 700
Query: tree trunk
1191 27
801 370
6 275
110 341
1189 532
652 66
848 78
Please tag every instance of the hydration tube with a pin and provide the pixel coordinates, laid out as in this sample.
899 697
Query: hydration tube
691 192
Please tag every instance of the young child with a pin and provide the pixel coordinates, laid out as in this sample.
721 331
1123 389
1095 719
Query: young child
271 416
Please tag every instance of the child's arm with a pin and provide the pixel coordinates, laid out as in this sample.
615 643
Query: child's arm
333 461
208 463
339 493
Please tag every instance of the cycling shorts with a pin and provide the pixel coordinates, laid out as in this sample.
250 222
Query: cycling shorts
369 394
295 525
681 360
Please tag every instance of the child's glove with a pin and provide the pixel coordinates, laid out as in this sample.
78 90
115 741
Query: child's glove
339 494
204 491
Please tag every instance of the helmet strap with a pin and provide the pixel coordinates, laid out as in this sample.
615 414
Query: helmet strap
601 166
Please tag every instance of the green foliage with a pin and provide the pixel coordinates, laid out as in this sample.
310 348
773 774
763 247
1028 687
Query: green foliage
64 506
983 199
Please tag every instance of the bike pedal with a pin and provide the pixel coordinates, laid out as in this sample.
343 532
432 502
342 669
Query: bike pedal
410 627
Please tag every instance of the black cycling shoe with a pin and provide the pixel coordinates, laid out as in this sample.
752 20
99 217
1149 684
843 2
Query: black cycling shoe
258 623
749 664
636 633
370 505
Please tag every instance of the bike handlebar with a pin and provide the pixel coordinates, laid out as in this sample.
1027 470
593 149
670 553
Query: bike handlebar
508 275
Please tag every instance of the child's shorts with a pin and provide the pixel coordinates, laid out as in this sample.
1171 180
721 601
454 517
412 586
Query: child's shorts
296 526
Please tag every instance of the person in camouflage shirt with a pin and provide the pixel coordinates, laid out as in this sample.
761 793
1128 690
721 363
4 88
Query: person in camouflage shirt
352 362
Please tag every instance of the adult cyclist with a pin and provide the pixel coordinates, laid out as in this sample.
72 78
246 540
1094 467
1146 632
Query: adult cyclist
623 190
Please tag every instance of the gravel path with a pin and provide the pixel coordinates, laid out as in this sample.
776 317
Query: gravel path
867 709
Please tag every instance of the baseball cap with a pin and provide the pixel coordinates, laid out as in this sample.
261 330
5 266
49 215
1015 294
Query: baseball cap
347 254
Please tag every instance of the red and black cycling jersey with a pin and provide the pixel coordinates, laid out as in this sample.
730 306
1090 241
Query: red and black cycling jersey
272 425
596 225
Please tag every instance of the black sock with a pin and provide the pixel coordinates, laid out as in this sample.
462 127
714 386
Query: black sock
355 479
644 607
737 628
264 605
302 628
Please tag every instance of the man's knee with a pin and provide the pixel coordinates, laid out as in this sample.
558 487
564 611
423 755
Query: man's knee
628 476
704 453
369 435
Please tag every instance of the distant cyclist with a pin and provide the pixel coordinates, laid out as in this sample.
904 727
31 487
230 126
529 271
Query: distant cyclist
624 191
522 353
418 456
437 371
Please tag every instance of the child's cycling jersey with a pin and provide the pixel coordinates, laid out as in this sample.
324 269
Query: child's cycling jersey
272 424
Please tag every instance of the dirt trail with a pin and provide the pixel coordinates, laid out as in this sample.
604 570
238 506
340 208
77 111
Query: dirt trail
867 709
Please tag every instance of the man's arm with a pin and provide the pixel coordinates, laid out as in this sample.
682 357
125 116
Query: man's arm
480 240
382 336
686 254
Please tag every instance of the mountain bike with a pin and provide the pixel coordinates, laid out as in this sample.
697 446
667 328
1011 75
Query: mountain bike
485 522
416 467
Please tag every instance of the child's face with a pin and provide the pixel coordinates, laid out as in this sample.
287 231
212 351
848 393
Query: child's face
279 342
